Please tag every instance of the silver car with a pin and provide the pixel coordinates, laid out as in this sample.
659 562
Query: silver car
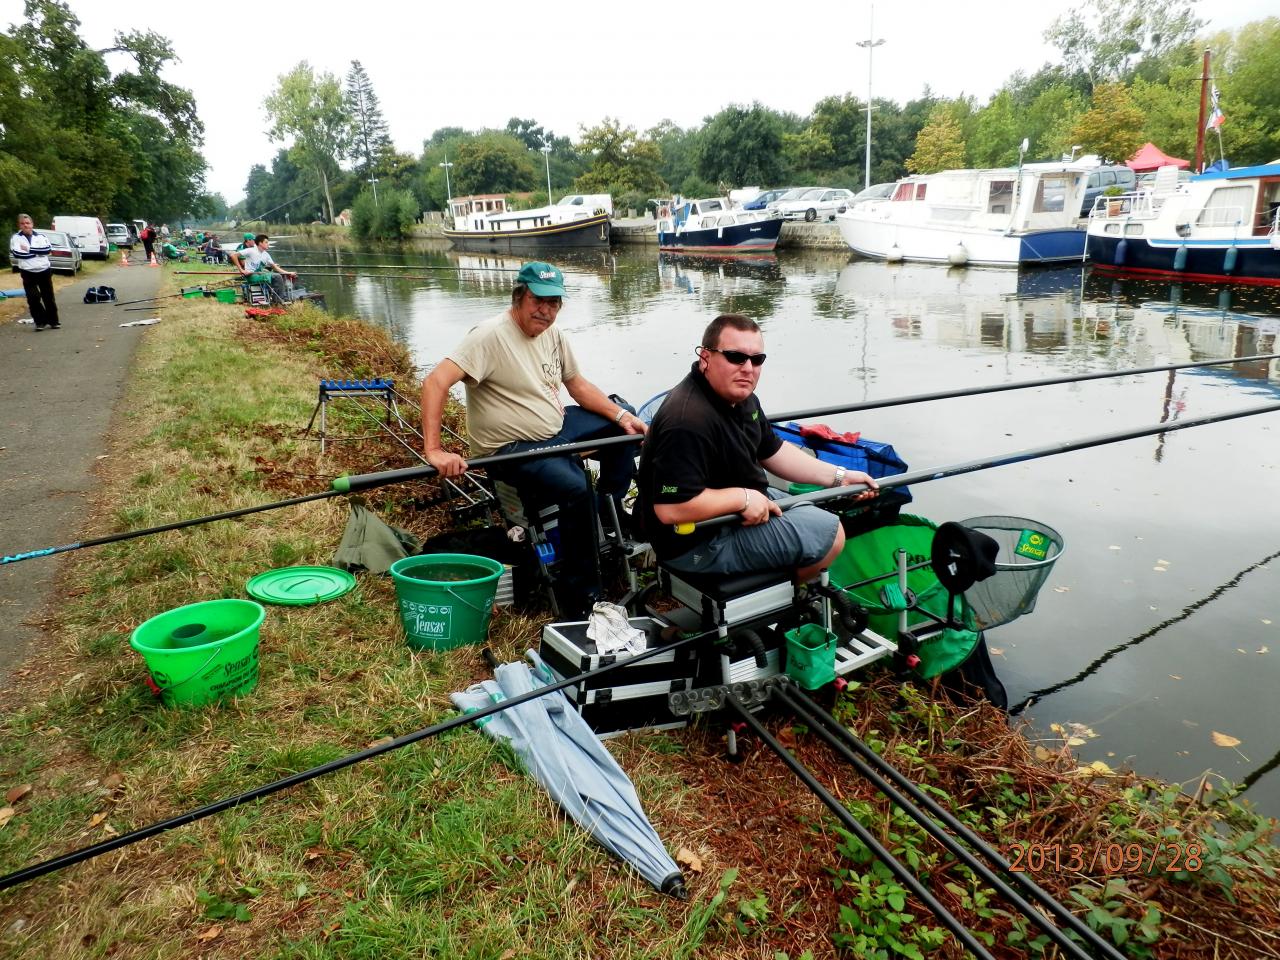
818 203
64 257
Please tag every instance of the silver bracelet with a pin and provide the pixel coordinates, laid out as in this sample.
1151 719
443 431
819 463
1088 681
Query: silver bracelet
839 477
617 417
746 500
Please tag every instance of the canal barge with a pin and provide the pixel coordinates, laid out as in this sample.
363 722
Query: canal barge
713 226
1003 217
484 224
1219 227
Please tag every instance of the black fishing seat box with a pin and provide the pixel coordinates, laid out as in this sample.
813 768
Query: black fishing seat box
628 698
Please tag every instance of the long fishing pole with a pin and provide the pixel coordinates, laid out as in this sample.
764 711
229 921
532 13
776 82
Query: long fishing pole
115 843
850 823
986 463
401 266
887 779
337 490
170 296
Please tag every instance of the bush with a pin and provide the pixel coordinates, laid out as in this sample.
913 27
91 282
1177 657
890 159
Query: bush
391 217
695 187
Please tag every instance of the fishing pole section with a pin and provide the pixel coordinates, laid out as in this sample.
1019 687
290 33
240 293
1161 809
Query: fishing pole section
349 484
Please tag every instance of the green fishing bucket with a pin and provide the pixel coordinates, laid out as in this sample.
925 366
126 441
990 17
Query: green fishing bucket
202 652
811 655
226 295
445 599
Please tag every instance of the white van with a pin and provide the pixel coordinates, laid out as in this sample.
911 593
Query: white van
87 233
591 203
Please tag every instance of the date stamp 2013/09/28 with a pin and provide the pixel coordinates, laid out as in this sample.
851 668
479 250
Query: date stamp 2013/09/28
1108 858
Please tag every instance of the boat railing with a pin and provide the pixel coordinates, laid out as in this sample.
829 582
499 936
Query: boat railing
1140 205
1233 216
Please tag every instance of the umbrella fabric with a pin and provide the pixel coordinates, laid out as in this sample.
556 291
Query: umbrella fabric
369 544
563 754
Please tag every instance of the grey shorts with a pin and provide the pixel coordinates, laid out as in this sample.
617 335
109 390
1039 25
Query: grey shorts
800 537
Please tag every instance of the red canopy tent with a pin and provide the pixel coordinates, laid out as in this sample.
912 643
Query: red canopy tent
1151 157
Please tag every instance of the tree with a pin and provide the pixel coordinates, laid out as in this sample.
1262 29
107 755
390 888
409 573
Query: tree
1108 40
939 145
492 162
995 132
309 110
372 139
740 146
621 161
1113 125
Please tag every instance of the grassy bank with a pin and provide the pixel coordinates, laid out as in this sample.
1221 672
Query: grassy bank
443 849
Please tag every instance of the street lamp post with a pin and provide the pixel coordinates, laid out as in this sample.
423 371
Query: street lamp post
870 43
374 181
446 165
546 155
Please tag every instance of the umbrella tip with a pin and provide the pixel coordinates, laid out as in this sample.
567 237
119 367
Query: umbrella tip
674 886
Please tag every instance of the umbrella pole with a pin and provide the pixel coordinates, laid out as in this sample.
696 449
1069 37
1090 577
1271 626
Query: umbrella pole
863 759
850 823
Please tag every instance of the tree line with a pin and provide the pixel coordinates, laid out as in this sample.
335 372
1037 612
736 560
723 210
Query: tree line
76 137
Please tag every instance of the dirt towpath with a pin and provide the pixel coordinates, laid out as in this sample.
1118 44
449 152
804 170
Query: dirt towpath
58 391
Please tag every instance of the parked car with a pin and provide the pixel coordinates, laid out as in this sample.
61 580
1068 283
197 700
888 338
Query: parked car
763 199
1104 177
877 191
64 256
818 203
118 233
87 233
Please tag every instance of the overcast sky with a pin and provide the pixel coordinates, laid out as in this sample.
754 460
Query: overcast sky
571 62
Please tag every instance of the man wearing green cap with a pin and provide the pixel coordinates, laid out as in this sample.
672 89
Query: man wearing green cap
248 242
512 368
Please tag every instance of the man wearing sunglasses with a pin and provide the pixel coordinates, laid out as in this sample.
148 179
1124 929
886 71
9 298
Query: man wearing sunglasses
705 456
512 368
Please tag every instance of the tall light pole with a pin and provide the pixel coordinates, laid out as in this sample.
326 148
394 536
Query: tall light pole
870 43
446 165
374 181
546 155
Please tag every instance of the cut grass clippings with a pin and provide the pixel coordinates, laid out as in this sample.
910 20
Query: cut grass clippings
443 848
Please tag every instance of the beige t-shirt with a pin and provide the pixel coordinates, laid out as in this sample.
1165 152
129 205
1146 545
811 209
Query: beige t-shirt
513 382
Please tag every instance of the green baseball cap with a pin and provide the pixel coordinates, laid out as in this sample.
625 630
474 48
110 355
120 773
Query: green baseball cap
542 279
248 236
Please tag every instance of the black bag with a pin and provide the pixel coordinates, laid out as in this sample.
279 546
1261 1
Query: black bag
102 294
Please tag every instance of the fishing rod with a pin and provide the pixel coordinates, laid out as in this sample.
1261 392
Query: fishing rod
143 833
887 779
171 296
850 823
985 463
1015 385
398 266
339 488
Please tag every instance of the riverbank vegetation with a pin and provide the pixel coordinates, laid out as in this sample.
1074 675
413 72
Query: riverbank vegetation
1126 72
443 848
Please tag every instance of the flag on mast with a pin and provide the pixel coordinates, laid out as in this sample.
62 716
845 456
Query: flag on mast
1216 118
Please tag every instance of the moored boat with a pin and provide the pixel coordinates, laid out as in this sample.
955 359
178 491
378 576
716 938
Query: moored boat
1004 217
483 223
1220 227
713 226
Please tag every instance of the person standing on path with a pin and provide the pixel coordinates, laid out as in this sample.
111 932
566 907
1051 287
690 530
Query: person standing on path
148 238
29 251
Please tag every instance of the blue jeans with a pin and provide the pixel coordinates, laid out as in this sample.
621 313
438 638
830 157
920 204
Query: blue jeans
563 482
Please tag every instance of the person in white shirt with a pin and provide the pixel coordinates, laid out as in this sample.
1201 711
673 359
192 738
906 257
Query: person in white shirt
29 252
256 259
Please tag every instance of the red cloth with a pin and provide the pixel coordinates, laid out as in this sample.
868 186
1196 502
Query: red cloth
823 432
1151 157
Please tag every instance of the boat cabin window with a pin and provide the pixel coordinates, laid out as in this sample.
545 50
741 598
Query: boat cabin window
1226 207
708 222
999 196
1270 206
905 191
726 221
920 190
712 205
1051 194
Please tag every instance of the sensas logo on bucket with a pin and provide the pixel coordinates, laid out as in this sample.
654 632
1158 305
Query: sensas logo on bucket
428 619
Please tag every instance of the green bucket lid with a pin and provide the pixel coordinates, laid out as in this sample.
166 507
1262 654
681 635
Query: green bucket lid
300 586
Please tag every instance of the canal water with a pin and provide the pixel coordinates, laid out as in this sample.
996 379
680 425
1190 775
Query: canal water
1158 632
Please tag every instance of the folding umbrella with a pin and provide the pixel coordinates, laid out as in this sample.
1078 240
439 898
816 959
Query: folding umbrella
563 754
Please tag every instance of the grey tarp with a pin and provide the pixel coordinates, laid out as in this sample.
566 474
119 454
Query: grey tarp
563 754
369 544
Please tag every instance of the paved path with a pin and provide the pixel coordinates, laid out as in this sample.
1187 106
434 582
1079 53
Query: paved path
58 389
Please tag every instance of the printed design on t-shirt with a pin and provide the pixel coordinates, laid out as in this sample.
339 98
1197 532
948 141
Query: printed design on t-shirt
551 376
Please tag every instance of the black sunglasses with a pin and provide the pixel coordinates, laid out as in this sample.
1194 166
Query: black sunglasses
738 358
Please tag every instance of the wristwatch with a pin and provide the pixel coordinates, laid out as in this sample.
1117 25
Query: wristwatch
838 479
